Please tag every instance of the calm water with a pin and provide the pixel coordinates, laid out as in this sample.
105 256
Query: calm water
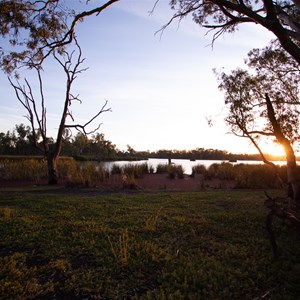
185 163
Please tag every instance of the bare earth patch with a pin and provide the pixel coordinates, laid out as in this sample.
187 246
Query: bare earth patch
188 183
147 182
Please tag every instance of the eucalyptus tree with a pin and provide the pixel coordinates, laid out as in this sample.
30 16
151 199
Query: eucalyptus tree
31 30
35 104
263 103
282 18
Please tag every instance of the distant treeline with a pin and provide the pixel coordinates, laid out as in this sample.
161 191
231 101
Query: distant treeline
97 147
203 154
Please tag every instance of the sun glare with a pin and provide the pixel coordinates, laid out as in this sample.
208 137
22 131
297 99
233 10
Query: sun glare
275 150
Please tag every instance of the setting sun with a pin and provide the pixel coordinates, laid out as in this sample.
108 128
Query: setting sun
274 149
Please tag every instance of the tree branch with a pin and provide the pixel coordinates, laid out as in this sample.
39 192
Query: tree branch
69 35
82 128
264 159
27 102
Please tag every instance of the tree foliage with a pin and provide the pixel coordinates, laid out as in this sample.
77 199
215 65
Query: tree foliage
270 71
282 18
31 30
265 103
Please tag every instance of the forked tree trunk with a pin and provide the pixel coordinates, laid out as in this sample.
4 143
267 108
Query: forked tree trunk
52 169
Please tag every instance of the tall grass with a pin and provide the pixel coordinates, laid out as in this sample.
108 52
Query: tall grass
223 171
198 169
23 169
256 176
161 169
87 175
134 170
90 175
246 176
171 170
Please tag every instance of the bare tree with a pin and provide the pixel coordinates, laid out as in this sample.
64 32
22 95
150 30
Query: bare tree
71 63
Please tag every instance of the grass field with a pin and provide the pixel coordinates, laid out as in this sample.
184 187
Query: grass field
207 245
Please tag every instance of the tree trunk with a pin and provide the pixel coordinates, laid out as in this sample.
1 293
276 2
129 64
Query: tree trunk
293 180
52 169
293 175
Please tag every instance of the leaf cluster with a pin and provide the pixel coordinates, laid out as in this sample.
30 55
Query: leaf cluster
34 29
30 26
270 71
280 17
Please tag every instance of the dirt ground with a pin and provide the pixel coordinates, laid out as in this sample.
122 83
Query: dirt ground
154 182
148 182
188 183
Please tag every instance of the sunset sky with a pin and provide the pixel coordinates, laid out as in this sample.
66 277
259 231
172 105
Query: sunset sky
160 87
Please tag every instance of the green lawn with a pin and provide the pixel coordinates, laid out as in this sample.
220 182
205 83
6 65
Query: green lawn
206 245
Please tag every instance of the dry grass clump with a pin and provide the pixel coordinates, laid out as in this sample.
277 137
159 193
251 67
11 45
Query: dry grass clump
171 170
86 175
245 175
23 169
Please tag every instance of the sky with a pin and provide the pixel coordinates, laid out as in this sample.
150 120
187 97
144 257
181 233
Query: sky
160 86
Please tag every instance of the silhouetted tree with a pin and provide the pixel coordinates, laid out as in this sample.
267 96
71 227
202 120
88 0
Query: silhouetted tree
264 103
71 63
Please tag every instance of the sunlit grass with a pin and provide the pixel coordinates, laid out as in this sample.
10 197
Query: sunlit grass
142 246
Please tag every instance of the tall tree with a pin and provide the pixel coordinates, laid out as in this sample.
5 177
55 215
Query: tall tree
282 18
31 30
71 64
264 103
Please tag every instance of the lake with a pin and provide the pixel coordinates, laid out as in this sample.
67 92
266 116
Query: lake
185 163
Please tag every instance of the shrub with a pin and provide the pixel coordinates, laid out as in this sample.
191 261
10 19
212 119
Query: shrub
23 169
144 168
134 170
180 171
256 176
66 166
87 175
212 171
226 171
116 169
162 169
151 170
222 171
174 170
129 182
171 170
198 169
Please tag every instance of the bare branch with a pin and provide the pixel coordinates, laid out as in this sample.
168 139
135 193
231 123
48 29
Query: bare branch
180 16
153 8
261 133
27 103
82 128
